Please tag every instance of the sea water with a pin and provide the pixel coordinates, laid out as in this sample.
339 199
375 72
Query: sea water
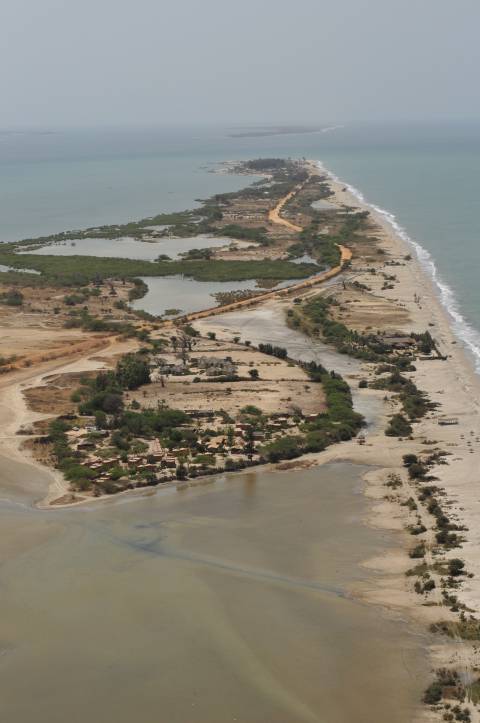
424 177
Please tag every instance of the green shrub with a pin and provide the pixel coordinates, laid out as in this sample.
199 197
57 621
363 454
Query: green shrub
398 427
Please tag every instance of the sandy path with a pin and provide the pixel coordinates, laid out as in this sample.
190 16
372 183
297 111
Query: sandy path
274 213
20 475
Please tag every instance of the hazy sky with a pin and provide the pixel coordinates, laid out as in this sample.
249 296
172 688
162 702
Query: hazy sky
89 62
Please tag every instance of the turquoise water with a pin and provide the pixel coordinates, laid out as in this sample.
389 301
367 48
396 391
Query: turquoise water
426 175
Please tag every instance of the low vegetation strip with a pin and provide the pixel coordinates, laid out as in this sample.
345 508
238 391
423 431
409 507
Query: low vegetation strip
79 270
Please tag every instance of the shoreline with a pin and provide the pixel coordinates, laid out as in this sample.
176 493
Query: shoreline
453 384
444 293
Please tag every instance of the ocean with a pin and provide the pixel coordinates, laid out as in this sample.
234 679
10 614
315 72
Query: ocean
423 177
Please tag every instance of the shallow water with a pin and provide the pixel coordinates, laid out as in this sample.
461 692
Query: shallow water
130 248
187 295
226 602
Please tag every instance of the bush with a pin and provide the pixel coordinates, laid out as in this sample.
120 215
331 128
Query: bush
284 448
417 471
105 401
251 410
398 427
12 298
409 459
456 567
433 693
418 551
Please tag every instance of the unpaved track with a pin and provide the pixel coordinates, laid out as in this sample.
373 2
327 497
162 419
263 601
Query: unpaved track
274 214
274 217
346 255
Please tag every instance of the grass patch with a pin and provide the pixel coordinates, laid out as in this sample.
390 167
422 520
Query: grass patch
464 629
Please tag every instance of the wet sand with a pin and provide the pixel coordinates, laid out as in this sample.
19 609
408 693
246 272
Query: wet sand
227 602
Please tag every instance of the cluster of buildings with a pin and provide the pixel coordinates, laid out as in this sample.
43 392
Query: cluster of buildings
157 464
211 366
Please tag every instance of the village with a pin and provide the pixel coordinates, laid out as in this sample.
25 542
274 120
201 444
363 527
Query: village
192 416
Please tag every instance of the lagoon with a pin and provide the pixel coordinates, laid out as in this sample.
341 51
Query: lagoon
130 248
188 295
229 601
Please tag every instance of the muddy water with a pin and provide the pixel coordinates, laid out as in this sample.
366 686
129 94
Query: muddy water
229 602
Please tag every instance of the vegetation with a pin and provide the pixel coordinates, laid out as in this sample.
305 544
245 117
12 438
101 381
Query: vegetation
278 351
86 321
338 423
414 402
463 628
398 426
13 297
81 270
314 318
247 233
445 680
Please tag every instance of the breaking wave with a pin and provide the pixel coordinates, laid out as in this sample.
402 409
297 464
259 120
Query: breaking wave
465 332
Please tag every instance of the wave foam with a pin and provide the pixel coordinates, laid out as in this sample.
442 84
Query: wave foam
467 334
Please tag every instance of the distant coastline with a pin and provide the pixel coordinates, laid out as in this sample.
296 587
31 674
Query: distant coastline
282 131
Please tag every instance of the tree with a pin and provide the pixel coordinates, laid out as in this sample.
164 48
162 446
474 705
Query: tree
100 419
230 435
253 374
181 472
251 410
287 447
132 371
119 441
249 443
